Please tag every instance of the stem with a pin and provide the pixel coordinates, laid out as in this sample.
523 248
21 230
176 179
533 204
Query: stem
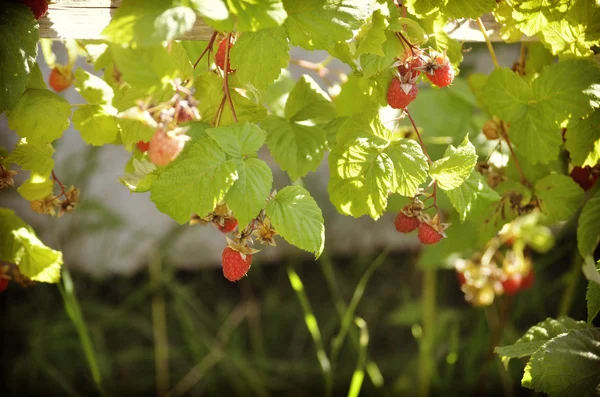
574 275
226 79
488 43
208 48
159 328
62 187
412 121
524 180
220 111
426 356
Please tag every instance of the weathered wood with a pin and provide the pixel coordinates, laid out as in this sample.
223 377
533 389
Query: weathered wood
85 19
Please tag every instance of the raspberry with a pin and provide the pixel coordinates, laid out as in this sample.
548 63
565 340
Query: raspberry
428 235
512 284
234 265
143 146
3 284
462 280
528 281
38 7
411 65
584 177
400 95
405 223
220 56
440 71
165 147
229 225
61 78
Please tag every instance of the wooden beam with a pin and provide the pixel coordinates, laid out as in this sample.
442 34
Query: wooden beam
85 19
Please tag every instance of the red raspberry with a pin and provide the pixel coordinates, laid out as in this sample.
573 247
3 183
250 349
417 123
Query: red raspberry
512 284
400 95
229 225
38 7
234 265
411 65
61 78
584 177
405 223
164 147
3 284
441 72
528 280
143 146
428 235
220 56
462 280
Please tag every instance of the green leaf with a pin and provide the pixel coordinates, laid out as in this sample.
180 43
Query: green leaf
559 196
592 297
537 336
411 30
356 96
372 64
92 88
255 15
372 35
455 167
368 163
248 195
276 94
298 219
212 9
18 51
297 148
507 95
195 182
588 229
259 57
533 15
583 140
238 140
36 187
307 101
145 23
468 8
568 365
132 131
98 124
34 157
41 116
36 79
473 190
319 24
508 26
422 8
142 177
21 247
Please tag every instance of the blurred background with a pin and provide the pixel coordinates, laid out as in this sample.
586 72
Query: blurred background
144 308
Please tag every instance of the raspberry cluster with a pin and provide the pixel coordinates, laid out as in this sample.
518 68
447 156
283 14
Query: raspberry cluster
412 217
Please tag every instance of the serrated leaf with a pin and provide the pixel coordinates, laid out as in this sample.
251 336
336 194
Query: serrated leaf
559 196
98 124
36 79
355 97
259 57
411 29
92 88
297 148
568 365
372 64
588 229
592 297
35 157
298 219
238 140
133 131
253 15
18 51
422 8
468 8
537 336
144 23
367 164
507 95
41 116
195 182
475 189
583 140
319 24
213 9
249 192
372 35
21 247
141 178
455 167
36 187
307 101
533 15
508 26
537 137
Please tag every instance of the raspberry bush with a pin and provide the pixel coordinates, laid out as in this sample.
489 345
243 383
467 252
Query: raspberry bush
487 168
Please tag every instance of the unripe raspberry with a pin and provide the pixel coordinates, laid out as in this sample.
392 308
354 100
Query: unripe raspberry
165 147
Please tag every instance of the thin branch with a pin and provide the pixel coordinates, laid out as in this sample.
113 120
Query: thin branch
226 79
488 43
412 121
524 179
62 187
208 48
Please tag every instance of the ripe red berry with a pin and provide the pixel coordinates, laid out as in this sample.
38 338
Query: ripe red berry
3 284
164 148
528 280
405 223
428 235
229 225
143 146
512 284
400 95
61 78
461 278
234 265
220 56
38 7
411 65
584 177
442 74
